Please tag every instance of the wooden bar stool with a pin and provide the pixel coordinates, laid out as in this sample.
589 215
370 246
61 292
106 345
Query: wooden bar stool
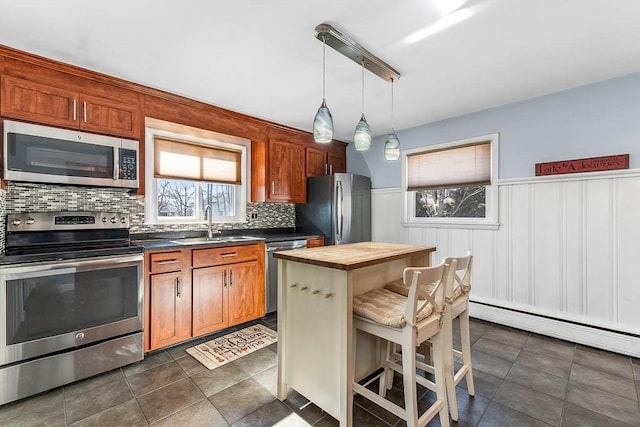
407 322
457 298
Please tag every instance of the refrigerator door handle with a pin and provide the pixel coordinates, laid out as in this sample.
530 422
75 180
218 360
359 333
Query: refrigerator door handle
339 215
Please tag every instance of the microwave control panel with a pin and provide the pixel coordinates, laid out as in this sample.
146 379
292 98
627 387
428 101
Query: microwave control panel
128 164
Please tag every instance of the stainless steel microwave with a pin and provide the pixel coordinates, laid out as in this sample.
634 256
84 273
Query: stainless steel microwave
35 153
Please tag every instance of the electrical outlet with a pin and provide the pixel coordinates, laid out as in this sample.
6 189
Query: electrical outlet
254 215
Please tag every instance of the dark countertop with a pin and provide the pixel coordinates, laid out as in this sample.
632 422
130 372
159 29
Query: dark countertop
167 240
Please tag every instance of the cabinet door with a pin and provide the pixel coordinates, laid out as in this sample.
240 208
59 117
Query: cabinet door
209 299
337 163
110 117
314 242
286 171
170 309
246 295
36 102
316 162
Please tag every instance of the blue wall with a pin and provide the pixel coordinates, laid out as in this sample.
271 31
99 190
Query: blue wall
595 120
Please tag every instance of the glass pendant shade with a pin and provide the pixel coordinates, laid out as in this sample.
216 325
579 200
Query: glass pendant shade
362 136
323 125
323 122
392 147
392 144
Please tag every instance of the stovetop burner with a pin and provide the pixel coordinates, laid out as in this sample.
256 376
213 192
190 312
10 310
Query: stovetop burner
44 236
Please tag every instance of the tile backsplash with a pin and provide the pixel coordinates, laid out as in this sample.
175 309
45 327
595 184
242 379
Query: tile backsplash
27 197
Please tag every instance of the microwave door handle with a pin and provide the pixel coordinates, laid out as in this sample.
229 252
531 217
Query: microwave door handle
116 163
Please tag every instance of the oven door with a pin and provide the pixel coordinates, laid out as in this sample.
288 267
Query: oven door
49 307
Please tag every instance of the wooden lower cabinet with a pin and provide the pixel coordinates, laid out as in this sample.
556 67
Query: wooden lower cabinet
225 296
170 304
212 289
314 242
245 302
210 302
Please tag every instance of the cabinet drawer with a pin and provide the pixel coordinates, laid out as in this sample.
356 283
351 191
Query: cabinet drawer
224 255
164 262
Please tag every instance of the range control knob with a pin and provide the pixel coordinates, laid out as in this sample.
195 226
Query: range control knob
30 221
16 222
113 219
104 219
123 220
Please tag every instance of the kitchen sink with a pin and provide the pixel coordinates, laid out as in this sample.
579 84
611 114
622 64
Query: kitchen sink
207 240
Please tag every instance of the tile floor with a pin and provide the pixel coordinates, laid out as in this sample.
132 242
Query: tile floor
521 379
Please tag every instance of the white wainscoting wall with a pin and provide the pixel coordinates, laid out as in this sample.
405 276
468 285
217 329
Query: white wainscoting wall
564 262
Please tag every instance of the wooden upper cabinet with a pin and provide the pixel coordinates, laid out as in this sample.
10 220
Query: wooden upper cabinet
337 162
286 169
106 116
316 162
61 106
35 102
323 162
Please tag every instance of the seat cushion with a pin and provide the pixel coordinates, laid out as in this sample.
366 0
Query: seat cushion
399 287
386 308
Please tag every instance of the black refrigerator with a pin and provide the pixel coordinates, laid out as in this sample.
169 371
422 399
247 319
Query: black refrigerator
338 207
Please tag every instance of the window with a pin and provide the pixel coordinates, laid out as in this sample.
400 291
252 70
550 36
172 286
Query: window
453 183
188 176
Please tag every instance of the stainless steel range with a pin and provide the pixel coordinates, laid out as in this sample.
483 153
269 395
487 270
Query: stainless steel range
71 300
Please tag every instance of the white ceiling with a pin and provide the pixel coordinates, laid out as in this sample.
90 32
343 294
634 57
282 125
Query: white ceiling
260 57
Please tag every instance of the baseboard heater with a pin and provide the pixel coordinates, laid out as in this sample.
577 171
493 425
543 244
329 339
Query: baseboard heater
594 336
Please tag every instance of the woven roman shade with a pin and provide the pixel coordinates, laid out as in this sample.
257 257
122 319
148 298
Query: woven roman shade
178 159
462 166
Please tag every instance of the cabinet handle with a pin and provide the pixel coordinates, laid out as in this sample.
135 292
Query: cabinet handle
169 261
317 291
329 295
84 111
178 287
304 288
230 277
330 169
293 285
229 255
273 187
224 278
326 169
75 116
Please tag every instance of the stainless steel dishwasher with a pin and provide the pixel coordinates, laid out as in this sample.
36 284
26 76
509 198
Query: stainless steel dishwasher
271 274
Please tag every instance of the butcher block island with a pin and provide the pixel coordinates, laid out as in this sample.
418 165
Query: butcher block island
315 299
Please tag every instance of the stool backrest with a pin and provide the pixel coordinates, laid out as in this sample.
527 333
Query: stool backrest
461 274
437 278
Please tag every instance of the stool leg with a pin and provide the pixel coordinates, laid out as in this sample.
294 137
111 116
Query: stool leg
447 348
386 380
409 379
465 337
439 374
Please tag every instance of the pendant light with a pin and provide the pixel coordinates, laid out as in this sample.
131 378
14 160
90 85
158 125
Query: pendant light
392 145
362 136
323 122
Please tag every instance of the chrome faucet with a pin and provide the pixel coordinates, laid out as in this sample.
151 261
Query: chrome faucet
207 214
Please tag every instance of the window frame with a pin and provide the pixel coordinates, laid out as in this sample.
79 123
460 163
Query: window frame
197 136
490 221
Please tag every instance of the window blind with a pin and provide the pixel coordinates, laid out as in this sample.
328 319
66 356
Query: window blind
183 160
460 166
